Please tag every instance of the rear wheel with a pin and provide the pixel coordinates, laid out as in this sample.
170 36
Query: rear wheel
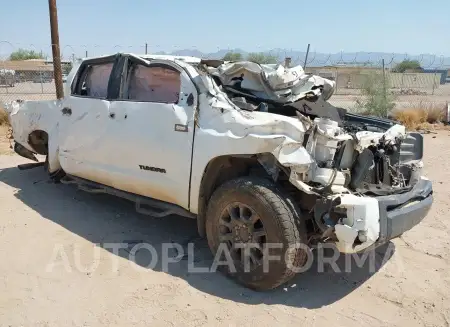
56 176
256 222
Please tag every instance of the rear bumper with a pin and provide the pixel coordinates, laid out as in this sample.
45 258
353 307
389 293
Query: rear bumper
401 212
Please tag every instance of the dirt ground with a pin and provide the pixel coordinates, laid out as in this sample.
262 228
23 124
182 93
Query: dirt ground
412 288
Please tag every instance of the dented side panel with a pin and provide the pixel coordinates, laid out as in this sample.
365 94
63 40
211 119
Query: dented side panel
84 145
225 130
29 116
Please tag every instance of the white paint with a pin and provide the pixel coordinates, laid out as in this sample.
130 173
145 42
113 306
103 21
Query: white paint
29 116
363 216
395 132
327 176
93 145
326 140
447 112
366 139
109 150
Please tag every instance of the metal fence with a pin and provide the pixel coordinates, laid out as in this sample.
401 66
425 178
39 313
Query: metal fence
408 89
28 79
33 79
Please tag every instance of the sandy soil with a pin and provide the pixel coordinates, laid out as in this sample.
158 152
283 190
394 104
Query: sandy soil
36 217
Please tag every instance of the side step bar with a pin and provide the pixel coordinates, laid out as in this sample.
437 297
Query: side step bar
144 205
30 165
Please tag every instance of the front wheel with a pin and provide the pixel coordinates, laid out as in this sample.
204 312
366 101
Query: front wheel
260 228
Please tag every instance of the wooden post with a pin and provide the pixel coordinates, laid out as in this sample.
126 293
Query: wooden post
57 71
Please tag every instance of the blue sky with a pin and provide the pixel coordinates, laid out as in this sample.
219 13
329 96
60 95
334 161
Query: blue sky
102 26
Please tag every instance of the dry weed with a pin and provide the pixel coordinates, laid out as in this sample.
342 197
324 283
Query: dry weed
420 115
3 117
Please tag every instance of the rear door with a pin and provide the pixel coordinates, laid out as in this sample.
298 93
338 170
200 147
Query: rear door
83 139
152 125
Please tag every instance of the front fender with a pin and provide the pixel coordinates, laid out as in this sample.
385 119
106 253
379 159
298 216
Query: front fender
226 131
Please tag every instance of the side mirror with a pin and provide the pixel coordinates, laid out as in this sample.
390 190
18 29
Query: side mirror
190 100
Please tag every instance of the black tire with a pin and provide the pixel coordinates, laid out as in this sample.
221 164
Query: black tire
54 176
281 221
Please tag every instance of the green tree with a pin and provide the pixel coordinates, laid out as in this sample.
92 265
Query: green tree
232 56
376 100
66 68
24 54
407 65
262 58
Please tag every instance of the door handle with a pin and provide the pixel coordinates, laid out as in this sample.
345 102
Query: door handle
112 115
66 111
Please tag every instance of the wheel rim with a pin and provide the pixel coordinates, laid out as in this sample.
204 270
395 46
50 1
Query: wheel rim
242 230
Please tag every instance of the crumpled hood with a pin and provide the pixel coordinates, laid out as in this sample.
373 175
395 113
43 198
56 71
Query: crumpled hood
273 82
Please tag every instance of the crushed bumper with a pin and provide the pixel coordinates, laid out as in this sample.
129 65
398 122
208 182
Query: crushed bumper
401 212
380 219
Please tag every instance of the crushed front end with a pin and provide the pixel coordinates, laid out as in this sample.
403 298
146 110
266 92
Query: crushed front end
358 178
368 185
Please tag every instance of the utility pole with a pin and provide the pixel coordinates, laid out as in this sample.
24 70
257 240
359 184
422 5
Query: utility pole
146 48
384 77
57 72
384 85
306 57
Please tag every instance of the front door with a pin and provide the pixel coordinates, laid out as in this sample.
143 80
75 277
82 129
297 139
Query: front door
152 128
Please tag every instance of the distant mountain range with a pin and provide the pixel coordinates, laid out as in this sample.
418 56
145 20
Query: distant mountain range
316 59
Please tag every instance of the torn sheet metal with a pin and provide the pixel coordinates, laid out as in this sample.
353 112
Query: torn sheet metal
273 82
29 116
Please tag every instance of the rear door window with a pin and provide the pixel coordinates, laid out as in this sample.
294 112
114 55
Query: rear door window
93 81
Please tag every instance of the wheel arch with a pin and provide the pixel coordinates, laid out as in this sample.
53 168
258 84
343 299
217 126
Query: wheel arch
220 170
38 141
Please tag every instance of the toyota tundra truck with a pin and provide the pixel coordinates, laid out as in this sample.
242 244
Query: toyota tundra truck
255 153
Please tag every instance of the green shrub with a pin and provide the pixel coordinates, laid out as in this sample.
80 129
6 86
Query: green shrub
376 99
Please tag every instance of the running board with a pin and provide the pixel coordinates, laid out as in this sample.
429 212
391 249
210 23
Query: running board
144 205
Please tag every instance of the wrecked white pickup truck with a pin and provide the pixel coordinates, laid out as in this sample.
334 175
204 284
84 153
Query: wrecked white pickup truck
254 152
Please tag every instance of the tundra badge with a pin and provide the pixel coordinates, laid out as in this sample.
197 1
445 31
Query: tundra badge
155 169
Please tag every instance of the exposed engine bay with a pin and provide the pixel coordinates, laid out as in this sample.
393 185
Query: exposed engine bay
364 162
355 159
